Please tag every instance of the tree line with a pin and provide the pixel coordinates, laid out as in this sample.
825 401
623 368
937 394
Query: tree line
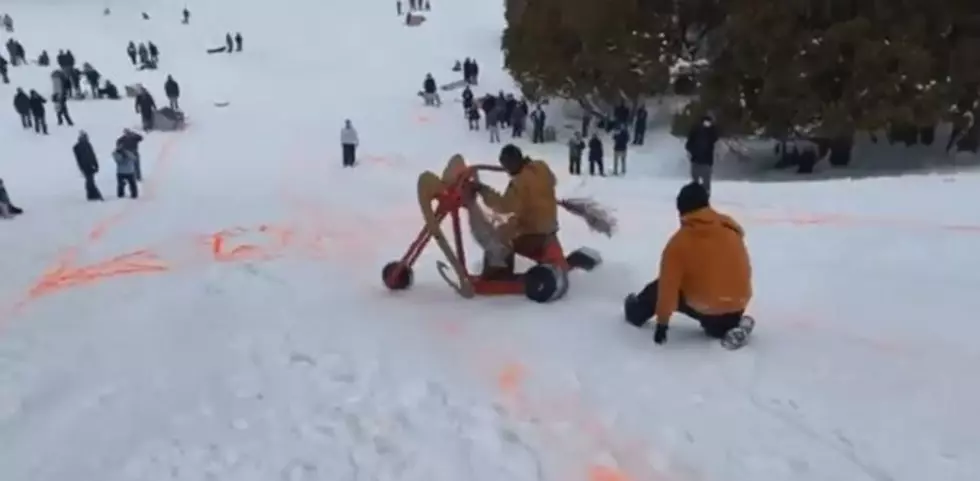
779 69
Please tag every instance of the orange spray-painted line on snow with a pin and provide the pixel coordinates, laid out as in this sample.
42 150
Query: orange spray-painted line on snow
67 276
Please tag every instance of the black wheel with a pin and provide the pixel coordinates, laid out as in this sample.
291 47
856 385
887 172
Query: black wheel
396 276
545 283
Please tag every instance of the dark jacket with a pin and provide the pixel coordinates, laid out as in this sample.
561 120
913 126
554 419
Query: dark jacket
85 156
621 140
22 103
595 149
171 88
429 86
701 144
37 105
145 104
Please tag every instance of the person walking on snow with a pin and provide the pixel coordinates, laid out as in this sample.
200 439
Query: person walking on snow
172 89
22 105
61 110
88 164
348 143
145 107
125 172
38 112
131 52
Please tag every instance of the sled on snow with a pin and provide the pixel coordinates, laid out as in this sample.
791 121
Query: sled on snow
444 197
169 120
453 85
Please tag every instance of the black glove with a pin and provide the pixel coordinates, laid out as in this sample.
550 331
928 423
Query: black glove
660 333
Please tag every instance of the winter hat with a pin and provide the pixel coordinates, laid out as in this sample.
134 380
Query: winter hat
82 134
692 197
511 158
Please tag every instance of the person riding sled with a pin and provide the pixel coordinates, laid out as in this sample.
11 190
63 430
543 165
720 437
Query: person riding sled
530 207
705 273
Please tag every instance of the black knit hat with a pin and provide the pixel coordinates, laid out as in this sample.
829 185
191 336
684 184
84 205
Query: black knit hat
511 158
692 197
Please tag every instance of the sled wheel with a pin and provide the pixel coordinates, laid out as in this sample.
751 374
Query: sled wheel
396 276
545 283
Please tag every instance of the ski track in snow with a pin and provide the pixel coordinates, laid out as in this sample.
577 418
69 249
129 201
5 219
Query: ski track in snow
287 360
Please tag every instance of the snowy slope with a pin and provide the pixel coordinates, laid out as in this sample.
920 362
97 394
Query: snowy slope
290 361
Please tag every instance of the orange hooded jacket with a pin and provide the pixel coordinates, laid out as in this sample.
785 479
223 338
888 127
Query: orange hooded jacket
707 263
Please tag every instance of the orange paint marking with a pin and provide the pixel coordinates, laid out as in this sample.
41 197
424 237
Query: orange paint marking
222 252
510 378
605 473
67 276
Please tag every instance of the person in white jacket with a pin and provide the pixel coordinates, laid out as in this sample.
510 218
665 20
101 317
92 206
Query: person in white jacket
348 140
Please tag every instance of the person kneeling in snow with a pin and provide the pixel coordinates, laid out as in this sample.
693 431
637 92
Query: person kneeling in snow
7 209
531 208
705 273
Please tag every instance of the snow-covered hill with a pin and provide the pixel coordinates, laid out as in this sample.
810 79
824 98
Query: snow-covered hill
156 353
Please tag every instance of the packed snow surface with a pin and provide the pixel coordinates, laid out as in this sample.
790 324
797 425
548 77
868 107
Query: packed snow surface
140 341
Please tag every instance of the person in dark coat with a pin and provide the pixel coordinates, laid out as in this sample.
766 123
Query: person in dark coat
92 77
621 140
487 104
187 16
238 41
172 89
88 165
700 146
22 105
537 125
38 112
467 97
143 53
595 155
109 91
640 125
473 116
229 43
429 90
75 75
3 70
131 52
61 109
154 51
145 106
621 114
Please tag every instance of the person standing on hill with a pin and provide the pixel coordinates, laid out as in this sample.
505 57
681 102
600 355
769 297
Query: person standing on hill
700 146
621 140
88 164
595 155
22 105
38 112
172 89
348 143
576 146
